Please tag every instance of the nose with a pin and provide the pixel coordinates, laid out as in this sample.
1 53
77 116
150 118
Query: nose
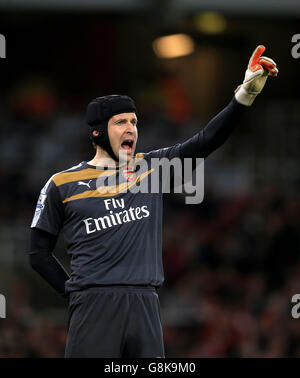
129 127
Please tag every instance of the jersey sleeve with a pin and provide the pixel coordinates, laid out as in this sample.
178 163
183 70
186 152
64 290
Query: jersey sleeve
49 212
208 139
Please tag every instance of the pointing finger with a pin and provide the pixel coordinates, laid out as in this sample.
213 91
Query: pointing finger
255 56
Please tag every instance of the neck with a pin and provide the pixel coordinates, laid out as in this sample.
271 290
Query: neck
103 159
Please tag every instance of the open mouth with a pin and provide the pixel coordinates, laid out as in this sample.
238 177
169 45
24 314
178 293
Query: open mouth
127 145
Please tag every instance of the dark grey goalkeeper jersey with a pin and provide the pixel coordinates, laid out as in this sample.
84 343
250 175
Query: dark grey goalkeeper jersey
115 237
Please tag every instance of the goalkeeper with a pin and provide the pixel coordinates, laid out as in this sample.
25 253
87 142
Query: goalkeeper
115 239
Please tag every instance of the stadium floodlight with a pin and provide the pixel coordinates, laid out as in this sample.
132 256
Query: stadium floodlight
173 46
211 23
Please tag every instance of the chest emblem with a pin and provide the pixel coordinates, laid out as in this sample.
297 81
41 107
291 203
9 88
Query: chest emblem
129 174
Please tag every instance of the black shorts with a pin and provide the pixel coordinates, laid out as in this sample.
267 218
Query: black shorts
115 322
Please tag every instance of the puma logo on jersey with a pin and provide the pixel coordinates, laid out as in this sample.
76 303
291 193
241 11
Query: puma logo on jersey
84 183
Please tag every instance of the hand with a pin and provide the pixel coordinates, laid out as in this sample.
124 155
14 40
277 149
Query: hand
258 70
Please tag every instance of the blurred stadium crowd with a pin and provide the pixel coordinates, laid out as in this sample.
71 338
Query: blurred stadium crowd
232 263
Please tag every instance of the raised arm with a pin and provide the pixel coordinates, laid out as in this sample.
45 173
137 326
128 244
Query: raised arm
217 131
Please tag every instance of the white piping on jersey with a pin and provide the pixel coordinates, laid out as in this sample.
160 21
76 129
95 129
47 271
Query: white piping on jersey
44 190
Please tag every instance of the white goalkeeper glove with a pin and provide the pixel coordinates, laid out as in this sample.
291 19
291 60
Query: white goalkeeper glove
259 68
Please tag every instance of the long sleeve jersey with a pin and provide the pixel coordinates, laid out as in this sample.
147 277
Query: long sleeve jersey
114 236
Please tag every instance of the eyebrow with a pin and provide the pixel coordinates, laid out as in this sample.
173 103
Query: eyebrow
125 119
